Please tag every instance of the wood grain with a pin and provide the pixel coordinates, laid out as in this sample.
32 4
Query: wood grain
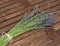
12 11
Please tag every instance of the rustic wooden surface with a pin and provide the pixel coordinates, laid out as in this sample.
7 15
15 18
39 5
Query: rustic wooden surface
12 11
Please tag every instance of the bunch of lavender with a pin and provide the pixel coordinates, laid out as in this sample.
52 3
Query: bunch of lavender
31 21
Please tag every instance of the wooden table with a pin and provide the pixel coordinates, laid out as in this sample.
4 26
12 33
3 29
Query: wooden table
12 11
